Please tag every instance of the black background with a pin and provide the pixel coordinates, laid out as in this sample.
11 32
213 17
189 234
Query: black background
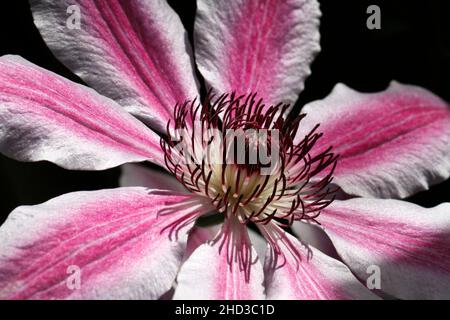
413 46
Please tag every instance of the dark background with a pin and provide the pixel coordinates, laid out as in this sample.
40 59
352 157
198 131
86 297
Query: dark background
413 46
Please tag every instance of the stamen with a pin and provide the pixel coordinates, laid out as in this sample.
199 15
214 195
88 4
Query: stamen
198 149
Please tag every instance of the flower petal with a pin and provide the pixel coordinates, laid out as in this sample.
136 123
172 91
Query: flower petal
226 269
135 52
392 144
46 117
259 243
314 235
120 242
264 46
135 175
296 272
199 236
409 244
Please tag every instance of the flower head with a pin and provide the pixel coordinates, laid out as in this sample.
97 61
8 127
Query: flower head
246 158
243 157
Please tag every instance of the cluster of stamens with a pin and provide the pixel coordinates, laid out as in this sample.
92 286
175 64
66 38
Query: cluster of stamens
214 149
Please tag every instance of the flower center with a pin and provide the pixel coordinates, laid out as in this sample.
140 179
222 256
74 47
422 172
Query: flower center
242 156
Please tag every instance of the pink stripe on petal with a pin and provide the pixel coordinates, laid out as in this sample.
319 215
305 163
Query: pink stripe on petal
228 268
410 244
122 241
392 144
46 117
265 46
135 52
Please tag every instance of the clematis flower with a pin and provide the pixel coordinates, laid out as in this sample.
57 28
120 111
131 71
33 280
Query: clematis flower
143 239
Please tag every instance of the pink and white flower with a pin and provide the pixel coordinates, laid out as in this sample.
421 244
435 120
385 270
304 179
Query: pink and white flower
138 242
